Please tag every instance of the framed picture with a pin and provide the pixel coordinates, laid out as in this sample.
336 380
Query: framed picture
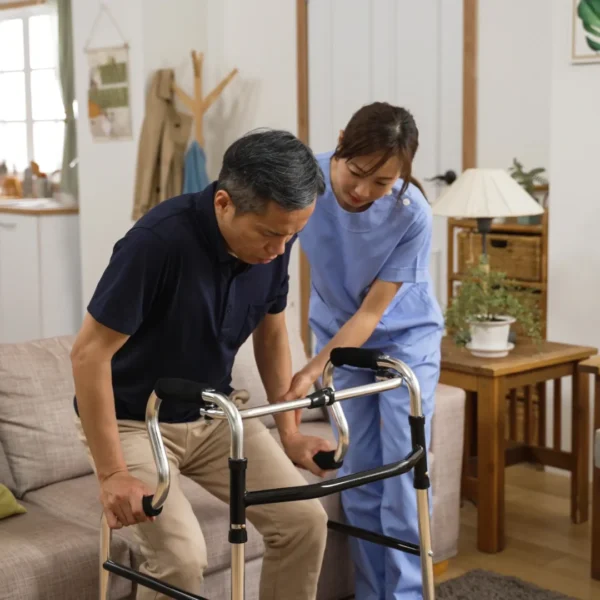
585 28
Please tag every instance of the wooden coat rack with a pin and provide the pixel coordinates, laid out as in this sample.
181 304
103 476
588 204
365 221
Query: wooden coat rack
198 105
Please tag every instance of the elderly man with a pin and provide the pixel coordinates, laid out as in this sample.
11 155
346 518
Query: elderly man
184 288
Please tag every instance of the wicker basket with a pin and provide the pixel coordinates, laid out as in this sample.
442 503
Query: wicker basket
519 256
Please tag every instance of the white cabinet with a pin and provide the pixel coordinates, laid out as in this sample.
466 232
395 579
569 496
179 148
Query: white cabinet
40 278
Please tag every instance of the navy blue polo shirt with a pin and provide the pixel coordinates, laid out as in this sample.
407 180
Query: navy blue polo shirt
187 304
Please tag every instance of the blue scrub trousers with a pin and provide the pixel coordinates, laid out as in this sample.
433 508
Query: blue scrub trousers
380 434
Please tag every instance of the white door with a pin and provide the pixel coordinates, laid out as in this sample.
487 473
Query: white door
405 52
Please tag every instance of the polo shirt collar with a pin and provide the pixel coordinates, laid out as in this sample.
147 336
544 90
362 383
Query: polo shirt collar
206 207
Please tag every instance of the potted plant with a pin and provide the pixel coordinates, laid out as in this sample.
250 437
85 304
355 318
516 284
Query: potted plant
530 180
482 312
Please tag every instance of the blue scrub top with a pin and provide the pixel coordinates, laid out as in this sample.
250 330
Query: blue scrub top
391 240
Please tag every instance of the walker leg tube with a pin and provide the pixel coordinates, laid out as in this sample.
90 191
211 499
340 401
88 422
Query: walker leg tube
422 484
105 538
426 552
237 572
238 534
421 471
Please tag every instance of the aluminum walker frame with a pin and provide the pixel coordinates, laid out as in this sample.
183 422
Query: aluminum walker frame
391 373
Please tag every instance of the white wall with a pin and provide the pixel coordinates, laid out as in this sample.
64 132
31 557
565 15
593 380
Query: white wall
264 93
231 33
106 170
514 79
573 261
158 37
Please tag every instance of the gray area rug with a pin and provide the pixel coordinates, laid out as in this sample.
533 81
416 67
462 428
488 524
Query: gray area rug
485 585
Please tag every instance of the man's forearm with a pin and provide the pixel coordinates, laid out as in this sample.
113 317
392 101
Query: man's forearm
95 403
274 362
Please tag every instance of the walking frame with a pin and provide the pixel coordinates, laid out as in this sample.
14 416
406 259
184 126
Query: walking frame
390 374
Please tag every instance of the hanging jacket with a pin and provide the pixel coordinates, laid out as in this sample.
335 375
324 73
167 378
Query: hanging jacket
195 177
161 148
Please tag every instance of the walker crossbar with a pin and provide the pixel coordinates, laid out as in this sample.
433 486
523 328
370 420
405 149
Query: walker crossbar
376 538
333 486
391 373
149 582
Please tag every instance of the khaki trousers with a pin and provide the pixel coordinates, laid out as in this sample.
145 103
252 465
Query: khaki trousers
173 545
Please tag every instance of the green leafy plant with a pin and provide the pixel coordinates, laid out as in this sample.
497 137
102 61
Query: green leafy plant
485 295
589 13
528 179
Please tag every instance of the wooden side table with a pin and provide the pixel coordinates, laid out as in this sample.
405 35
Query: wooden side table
487 383
592 366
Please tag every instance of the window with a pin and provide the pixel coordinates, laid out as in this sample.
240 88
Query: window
32 114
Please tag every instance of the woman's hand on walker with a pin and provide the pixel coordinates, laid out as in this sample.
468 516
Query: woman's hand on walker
301 449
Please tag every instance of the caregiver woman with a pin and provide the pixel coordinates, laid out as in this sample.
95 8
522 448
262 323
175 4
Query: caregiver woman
368 243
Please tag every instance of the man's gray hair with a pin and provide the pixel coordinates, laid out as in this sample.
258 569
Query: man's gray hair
270 166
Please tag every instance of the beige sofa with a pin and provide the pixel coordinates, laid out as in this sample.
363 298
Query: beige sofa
51 552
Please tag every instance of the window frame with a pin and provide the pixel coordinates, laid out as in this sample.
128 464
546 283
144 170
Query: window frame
24 13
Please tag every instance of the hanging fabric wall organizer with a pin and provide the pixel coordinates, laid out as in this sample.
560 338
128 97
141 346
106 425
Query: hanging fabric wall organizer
109 104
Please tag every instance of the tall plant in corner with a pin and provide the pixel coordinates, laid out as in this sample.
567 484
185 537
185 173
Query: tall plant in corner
485 307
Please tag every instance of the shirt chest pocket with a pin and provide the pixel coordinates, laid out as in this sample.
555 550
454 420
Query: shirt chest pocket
244 313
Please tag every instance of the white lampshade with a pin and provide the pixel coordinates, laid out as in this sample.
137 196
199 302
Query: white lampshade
485 193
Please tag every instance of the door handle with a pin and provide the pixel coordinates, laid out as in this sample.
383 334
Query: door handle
449 177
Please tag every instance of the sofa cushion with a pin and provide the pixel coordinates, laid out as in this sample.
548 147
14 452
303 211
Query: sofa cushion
245 373
5 475
46 557
77 501
447 447
36 413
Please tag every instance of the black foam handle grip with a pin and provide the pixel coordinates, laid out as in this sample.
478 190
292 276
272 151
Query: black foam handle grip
147 506
324 460
362 358
181 390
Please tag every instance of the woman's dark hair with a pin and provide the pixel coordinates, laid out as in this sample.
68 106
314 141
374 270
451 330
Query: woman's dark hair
382 128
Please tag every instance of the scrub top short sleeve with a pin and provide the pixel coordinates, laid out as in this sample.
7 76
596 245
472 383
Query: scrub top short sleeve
408 262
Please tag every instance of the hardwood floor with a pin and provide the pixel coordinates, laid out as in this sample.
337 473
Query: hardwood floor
542 545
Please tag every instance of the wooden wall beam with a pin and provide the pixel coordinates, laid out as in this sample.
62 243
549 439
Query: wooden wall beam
303 116
470 27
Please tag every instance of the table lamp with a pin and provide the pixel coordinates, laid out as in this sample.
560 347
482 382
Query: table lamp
485 194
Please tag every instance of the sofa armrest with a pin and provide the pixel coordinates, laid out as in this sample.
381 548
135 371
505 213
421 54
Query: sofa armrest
446 472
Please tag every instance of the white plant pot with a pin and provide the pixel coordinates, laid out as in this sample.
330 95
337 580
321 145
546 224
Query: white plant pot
490 338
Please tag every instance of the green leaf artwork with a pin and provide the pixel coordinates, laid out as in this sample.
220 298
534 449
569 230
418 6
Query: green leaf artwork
589 13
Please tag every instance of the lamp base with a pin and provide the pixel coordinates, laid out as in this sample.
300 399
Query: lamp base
484 226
